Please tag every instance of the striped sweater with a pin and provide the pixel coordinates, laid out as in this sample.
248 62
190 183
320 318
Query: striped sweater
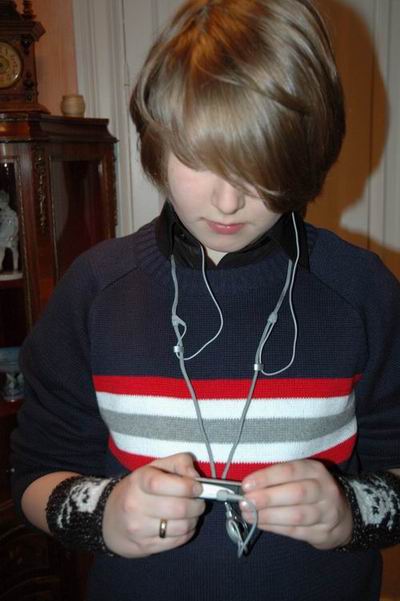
151 417
105 395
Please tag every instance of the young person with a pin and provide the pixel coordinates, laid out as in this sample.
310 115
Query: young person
227 338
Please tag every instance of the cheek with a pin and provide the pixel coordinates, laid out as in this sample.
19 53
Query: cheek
187 198
180 188
177 200
177 196
266 218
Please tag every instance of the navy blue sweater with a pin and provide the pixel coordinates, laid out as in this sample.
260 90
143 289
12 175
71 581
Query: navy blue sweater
105 395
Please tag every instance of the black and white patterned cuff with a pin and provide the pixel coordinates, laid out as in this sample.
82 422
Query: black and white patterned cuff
375 504
75 509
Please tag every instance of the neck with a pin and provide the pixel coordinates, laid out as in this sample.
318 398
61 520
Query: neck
215 255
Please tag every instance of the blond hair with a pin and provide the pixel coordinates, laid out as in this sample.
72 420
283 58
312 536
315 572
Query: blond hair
247 89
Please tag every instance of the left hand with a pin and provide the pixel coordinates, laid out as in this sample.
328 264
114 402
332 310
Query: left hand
300 499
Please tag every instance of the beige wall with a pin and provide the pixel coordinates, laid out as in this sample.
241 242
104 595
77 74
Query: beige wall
360 198
55 52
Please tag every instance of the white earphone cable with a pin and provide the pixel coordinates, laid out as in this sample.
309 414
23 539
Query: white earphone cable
258 367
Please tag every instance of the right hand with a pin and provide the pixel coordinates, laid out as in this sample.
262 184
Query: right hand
164 489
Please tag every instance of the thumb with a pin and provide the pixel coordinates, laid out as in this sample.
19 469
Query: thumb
181 464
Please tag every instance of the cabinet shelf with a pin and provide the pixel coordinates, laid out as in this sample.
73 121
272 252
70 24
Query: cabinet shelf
12 283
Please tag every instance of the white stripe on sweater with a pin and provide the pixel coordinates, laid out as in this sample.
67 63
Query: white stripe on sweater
159 406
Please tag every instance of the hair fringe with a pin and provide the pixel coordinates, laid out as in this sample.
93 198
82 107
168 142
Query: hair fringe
248 90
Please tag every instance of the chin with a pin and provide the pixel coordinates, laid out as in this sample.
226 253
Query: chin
229 246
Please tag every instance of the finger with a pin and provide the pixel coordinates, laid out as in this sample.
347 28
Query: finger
283 473
177 533
175 528
154 544
180 464
284 495
174 508
301 515
155 481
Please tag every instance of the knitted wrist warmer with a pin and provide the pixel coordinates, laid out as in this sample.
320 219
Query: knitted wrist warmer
375 504
74 512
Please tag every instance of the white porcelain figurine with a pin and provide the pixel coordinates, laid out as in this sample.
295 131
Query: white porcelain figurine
8 230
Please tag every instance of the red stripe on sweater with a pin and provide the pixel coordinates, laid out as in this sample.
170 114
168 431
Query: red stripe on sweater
337 454
226 389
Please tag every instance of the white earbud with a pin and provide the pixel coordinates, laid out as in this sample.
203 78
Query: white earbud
236 527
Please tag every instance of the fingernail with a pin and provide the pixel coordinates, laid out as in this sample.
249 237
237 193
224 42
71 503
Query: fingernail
244 505
249 485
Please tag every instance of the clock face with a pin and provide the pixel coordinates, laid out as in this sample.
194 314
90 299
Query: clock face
10 65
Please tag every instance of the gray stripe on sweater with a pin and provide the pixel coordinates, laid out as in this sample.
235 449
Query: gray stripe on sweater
224 431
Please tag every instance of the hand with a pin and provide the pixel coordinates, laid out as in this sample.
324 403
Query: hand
302 500
164 489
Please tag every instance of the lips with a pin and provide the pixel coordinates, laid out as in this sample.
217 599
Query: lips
226 229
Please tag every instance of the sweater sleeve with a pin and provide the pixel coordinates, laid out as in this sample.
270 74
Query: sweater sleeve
378 392
59 425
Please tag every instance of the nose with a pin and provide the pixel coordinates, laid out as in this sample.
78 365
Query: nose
226 198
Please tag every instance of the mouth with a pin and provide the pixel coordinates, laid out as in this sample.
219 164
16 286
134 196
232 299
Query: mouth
224 228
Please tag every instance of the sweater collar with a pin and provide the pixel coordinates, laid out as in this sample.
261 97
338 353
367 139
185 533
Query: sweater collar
174 238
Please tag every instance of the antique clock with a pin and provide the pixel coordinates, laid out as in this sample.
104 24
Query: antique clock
18 81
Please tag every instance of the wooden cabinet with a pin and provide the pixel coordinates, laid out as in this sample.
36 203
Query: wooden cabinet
57 183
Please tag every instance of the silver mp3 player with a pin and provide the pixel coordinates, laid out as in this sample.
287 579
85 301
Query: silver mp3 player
219 490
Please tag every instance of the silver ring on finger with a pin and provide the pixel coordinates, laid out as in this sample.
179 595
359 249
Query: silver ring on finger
162 532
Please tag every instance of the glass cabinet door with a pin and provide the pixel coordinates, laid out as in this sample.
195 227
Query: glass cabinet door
12 301
77 209
12 304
